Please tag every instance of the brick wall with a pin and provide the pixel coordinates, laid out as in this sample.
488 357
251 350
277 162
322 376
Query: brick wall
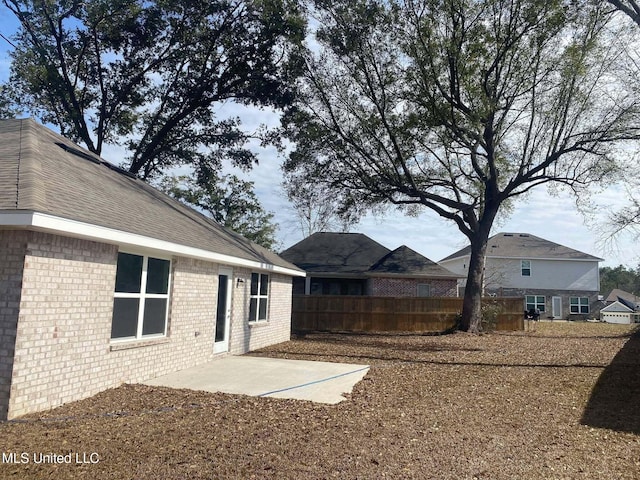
594 304
12 250
408 287
64 324
246 336
63 350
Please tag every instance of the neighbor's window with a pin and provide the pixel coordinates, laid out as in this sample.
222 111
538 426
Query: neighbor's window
535 302
525 267
141 298
259 297
424 290
579 305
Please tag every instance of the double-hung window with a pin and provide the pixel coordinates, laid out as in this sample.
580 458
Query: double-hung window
424 290
259 298
525 268
579 305
141 297
535 302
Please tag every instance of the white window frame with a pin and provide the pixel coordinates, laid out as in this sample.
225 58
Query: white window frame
536 304
142 296
523 268
422 285
258 297
578 306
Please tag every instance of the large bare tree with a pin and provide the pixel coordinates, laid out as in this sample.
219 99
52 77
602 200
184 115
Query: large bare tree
627 219
460 106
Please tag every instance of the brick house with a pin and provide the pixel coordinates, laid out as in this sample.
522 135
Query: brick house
558 281
105 280
354 264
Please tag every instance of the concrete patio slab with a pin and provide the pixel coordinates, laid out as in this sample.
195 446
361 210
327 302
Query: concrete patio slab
322 382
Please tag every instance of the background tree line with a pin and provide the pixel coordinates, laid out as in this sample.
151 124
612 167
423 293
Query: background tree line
624 278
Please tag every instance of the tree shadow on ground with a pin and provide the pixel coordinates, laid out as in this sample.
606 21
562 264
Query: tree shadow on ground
616 396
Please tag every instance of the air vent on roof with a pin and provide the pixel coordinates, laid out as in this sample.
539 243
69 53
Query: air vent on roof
508 234
524 234
79 153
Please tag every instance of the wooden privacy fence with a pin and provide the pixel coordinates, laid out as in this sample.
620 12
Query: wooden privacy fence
342 313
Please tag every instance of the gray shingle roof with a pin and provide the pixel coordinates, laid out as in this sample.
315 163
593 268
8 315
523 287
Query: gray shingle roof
617 293
43 172
339 253
356 254
405 261
525 245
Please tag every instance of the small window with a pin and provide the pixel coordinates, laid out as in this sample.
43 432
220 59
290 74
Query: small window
525 267
579 305
424 290
259 298
534 302
141 297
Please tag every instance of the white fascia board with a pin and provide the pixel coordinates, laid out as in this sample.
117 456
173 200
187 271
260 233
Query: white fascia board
72 228
555 259
524 257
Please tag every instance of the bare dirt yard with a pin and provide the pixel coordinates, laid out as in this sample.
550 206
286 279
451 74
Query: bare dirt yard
562 402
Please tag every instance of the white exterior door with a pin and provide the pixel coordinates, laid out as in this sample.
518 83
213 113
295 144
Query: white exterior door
223 310
556 307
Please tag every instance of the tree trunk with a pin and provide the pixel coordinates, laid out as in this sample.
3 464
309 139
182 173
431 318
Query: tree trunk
472 303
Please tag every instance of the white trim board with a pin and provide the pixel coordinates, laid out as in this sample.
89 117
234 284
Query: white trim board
71 228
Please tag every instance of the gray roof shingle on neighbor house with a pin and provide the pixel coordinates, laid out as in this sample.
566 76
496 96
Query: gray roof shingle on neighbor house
617 294
336 253
405 261
525 245
358 255
43 172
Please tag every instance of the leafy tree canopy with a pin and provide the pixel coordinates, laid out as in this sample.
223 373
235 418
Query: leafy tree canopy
460 106
230 201
627 279
150 75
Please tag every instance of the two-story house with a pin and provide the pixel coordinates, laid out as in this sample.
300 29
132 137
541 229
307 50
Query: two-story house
560 282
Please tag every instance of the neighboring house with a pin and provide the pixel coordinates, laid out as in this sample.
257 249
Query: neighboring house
558 281
622 307
618 312
626 298
105 280
354 264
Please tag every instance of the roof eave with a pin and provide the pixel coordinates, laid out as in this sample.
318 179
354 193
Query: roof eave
415 275
71 228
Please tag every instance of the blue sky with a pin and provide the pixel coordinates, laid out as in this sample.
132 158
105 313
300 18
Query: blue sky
554 218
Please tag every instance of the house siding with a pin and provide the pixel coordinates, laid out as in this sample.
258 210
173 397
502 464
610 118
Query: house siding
408 287
245 335
594 304
64 325
63 350
545 274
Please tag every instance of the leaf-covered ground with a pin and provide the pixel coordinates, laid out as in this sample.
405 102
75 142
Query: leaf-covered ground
561 402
